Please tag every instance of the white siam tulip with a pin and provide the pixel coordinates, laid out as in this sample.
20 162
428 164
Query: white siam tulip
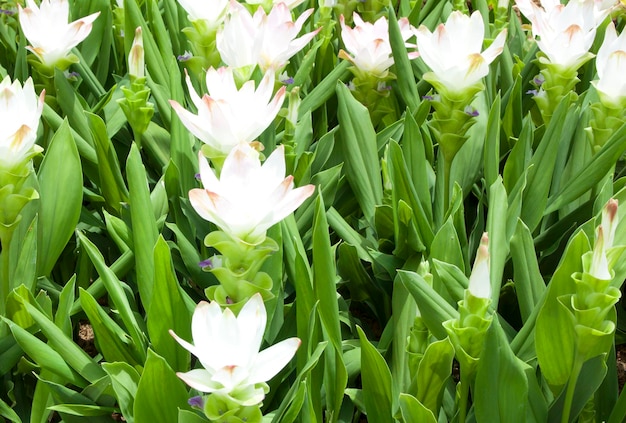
212 12
228 349
268 41
565 32
249 197
611 67
479 281
267 4
454 52
368 44
136 57
47 29
228 116
605 235
20 110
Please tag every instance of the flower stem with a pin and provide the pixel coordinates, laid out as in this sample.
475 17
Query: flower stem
5 269
465 384
571 388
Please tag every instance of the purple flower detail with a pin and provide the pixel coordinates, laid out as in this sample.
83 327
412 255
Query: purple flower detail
72 74
469 110
7 12
287 81
539 79
196 402
197 176
428 97
532 92
206 263
184 57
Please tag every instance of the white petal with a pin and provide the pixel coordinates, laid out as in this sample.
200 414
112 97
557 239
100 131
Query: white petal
200 380
271 360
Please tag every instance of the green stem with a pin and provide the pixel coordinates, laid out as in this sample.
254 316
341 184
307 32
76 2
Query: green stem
5 269
571 388
447 170
465 384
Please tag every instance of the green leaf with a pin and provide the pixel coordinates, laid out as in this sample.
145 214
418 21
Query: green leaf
358 144
64 345
8 413
83 410
44 355
492 144
554 330
529 284
60 168
376 379
116 292
112 341
168 311
435 309
143 224
124 380
159 393
404 72
501 381
433 373
592 173
414 411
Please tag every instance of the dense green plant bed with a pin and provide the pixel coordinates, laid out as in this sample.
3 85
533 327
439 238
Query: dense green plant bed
341 211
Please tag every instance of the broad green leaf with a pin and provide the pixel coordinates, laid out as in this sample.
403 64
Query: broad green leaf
500 381
492 144
65 346
168 311
116 293
124 380
357 141
8 413
404 72
529 284
143 224
376 379
554 330
498 239
413 411
434 371
60 168
83 410
324 276
112 341
44 355
159 393
435 310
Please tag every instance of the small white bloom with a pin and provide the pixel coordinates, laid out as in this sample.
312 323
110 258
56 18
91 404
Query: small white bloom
228 349
268 41
228 116
368 44
479 281
453 51
605 234
611 67
20 110
249 197
48 31
564 32
136 61
212 12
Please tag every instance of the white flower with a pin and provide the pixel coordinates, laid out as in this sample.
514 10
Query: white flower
268 41
228 349
48 31
479 281
368 44
210 11
605 234
20 110
453 51
267 4
611 67
228 116
565 32
136 61
249 197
